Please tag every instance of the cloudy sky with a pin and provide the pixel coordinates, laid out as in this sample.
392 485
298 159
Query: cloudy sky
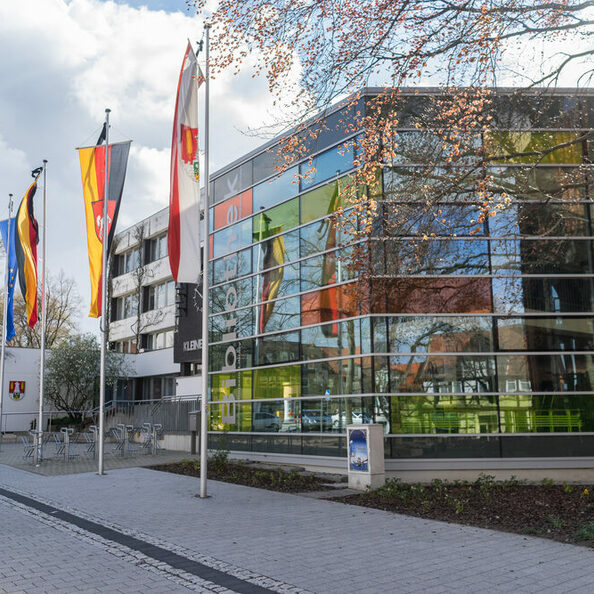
64 62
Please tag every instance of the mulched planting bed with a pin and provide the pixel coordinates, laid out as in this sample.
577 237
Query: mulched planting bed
560 512
251 475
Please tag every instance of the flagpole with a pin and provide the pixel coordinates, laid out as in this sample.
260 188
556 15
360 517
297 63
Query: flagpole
104 325
5 313
43 319
205 259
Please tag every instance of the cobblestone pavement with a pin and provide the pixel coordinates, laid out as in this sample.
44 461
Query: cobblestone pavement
12 455
275 540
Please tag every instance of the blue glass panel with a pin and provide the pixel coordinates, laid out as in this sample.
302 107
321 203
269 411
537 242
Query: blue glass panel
327 165
276 190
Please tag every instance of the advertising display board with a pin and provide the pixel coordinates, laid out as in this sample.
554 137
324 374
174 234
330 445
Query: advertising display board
365 450
187 342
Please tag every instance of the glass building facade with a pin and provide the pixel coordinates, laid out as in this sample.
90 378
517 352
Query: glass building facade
466 336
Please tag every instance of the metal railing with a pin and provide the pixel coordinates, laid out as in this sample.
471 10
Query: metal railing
172 414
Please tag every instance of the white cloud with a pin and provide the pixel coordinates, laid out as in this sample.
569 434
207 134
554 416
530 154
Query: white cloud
63 63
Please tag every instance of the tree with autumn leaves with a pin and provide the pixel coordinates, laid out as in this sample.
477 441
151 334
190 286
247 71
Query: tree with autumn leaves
460 136
314 53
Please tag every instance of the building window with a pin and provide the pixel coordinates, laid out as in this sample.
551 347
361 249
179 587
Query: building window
126 307
154 388
156 248
159 295
158 340
129 261
125 346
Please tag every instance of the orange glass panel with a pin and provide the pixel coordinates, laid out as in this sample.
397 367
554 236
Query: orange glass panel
233 209
211 246
434 295
329 304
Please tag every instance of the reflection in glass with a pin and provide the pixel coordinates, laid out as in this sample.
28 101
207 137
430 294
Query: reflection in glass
288 243
278 348
276 220
231 296
431 295
541 373
331 340
541 256
404 219
276 416
282 314
276 190
546 334
326 269
442 373
441 335
329 304
232 266
240 321
326 165
519 295
277 382
528 146
241 356
556 219
437 257
443 414
232 238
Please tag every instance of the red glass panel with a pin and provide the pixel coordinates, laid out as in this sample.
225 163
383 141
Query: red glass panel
329 304
432 295
233 209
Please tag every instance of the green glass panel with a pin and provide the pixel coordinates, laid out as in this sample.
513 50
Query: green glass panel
523 413
320 202
276 220
218 421
226 413
278 382
533 147
237 384
441 413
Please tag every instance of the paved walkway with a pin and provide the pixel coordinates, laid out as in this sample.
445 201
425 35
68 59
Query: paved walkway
12 455
263 540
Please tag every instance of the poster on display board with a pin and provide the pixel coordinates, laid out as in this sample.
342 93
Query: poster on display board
358 450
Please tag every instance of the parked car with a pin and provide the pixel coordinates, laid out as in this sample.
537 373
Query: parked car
315 420
265 421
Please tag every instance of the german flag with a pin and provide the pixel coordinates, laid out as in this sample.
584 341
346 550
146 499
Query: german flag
27 237
92 165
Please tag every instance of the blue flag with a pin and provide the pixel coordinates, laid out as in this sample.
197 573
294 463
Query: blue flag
12 272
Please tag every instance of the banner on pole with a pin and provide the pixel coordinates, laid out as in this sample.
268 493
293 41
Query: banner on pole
92 165
26 240
184 195
9 246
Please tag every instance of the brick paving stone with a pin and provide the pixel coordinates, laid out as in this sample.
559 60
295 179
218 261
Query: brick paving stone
314 544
